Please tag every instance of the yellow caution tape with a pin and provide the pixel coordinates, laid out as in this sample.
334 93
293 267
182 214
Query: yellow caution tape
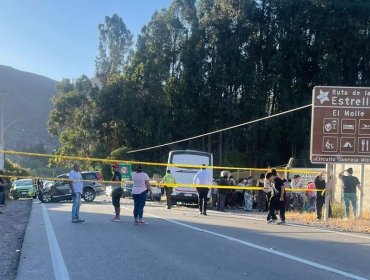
110 161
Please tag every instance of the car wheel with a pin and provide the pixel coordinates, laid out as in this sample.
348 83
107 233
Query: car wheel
173 202
89 195
46 197
15 198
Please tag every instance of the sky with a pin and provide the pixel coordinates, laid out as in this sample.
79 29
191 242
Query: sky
59 38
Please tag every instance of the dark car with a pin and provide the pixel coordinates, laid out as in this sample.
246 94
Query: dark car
127 188
59 190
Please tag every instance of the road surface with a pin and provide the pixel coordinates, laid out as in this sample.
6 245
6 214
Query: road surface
181 244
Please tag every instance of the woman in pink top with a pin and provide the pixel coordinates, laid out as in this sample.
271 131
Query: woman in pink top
139 191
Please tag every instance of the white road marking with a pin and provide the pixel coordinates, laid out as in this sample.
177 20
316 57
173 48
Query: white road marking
258 247
59 266
301 226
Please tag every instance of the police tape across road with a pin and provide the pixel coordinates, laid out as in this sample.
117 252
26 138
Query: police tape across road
157 184
110 161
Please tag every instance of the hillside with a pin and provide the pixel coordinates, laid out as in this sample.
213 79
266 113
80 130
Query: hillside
27 105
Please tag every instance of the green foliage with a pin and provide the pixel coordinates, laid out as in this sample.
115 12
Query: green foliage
14 169
337 210
200 66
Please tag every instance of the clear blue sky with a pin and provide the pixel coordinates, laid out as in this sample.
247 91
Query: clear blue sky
59 38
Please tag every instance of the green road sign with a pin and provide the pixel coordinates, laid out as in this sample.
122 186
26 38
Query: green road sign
125 170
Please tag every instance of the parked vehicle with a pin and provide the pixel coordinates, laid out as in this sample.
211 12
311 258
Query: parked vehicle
185 175
127 188
59 190
23 188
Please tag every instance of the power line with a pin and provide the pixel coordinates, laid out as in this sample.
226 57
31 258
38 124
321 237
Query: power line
221 130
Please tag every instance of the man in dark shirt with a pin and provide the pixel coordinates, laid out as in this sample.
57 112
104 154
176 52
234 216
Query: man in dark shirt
350 183
277 199
116 192
320 195
221 193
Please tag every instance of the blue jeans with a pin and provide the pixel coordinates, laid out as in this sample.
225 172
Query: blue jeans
76 206
139 203
347 197
2 197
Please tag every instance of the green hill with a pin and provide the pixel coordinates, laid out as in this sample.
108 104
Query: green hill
27 104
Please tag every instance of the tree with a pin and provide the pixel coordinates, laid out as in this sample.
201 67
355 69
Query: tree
115 42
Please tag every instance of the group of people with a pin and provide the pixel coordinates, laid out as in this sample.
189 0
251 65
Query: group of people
272 197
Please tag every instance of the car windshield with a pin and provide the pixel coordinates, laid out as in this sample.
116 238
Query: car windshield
24 183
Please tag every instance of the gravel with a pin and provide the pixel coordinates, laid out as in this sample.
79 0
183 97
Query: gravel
13 222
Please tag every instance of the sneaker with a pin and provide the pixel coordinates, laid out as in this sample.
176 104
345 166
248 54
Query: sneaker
205 214
80 220
281 223
74 221
116 219
141 222
272 221
136 222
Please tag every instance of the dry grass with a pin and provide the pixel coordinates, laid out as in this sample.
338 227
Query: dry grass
335 223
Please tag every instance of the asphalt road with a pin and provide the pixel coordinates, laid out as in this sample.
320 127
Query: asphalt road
181 244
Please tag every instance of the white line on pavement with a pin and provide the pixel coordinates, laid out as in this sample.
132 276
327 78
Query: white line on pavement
59 266
301 226
284 255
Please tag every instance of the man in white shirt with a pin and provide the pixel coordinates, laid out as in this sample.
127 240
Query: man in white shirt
76 186
202 178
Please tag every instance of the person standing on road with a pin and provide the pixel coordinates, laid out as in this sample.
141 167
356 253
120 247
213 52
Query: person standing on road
76 187
202 178
141 187
222 192
350 183
268 187
320 195
248 195
116 192
168 179
278 197
3 185
261 195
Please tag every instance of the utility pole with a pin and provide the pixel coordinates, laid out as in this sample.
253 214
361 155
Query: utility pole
2 155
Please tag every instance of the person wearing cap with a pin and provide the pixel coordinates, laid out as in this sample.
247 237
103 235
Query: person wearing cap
168 179
202 178
350 183
76 186
141 187
117 192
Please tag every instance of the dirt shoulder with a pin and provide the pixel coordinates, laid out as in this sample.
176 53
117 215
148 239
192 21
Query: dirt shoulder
13 222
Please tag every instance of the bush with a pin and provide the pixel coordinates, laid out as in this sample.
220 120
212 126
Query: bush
337 210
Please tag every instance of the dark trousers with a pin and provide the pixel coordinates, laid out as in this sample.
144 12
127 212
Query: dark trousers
261 201
139 203
221 202
274 205
202 200
320 201
168 196
282 210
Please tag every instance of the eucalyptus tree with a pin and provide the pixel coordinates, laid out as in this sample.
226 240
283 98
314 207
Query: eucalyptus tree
115 42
